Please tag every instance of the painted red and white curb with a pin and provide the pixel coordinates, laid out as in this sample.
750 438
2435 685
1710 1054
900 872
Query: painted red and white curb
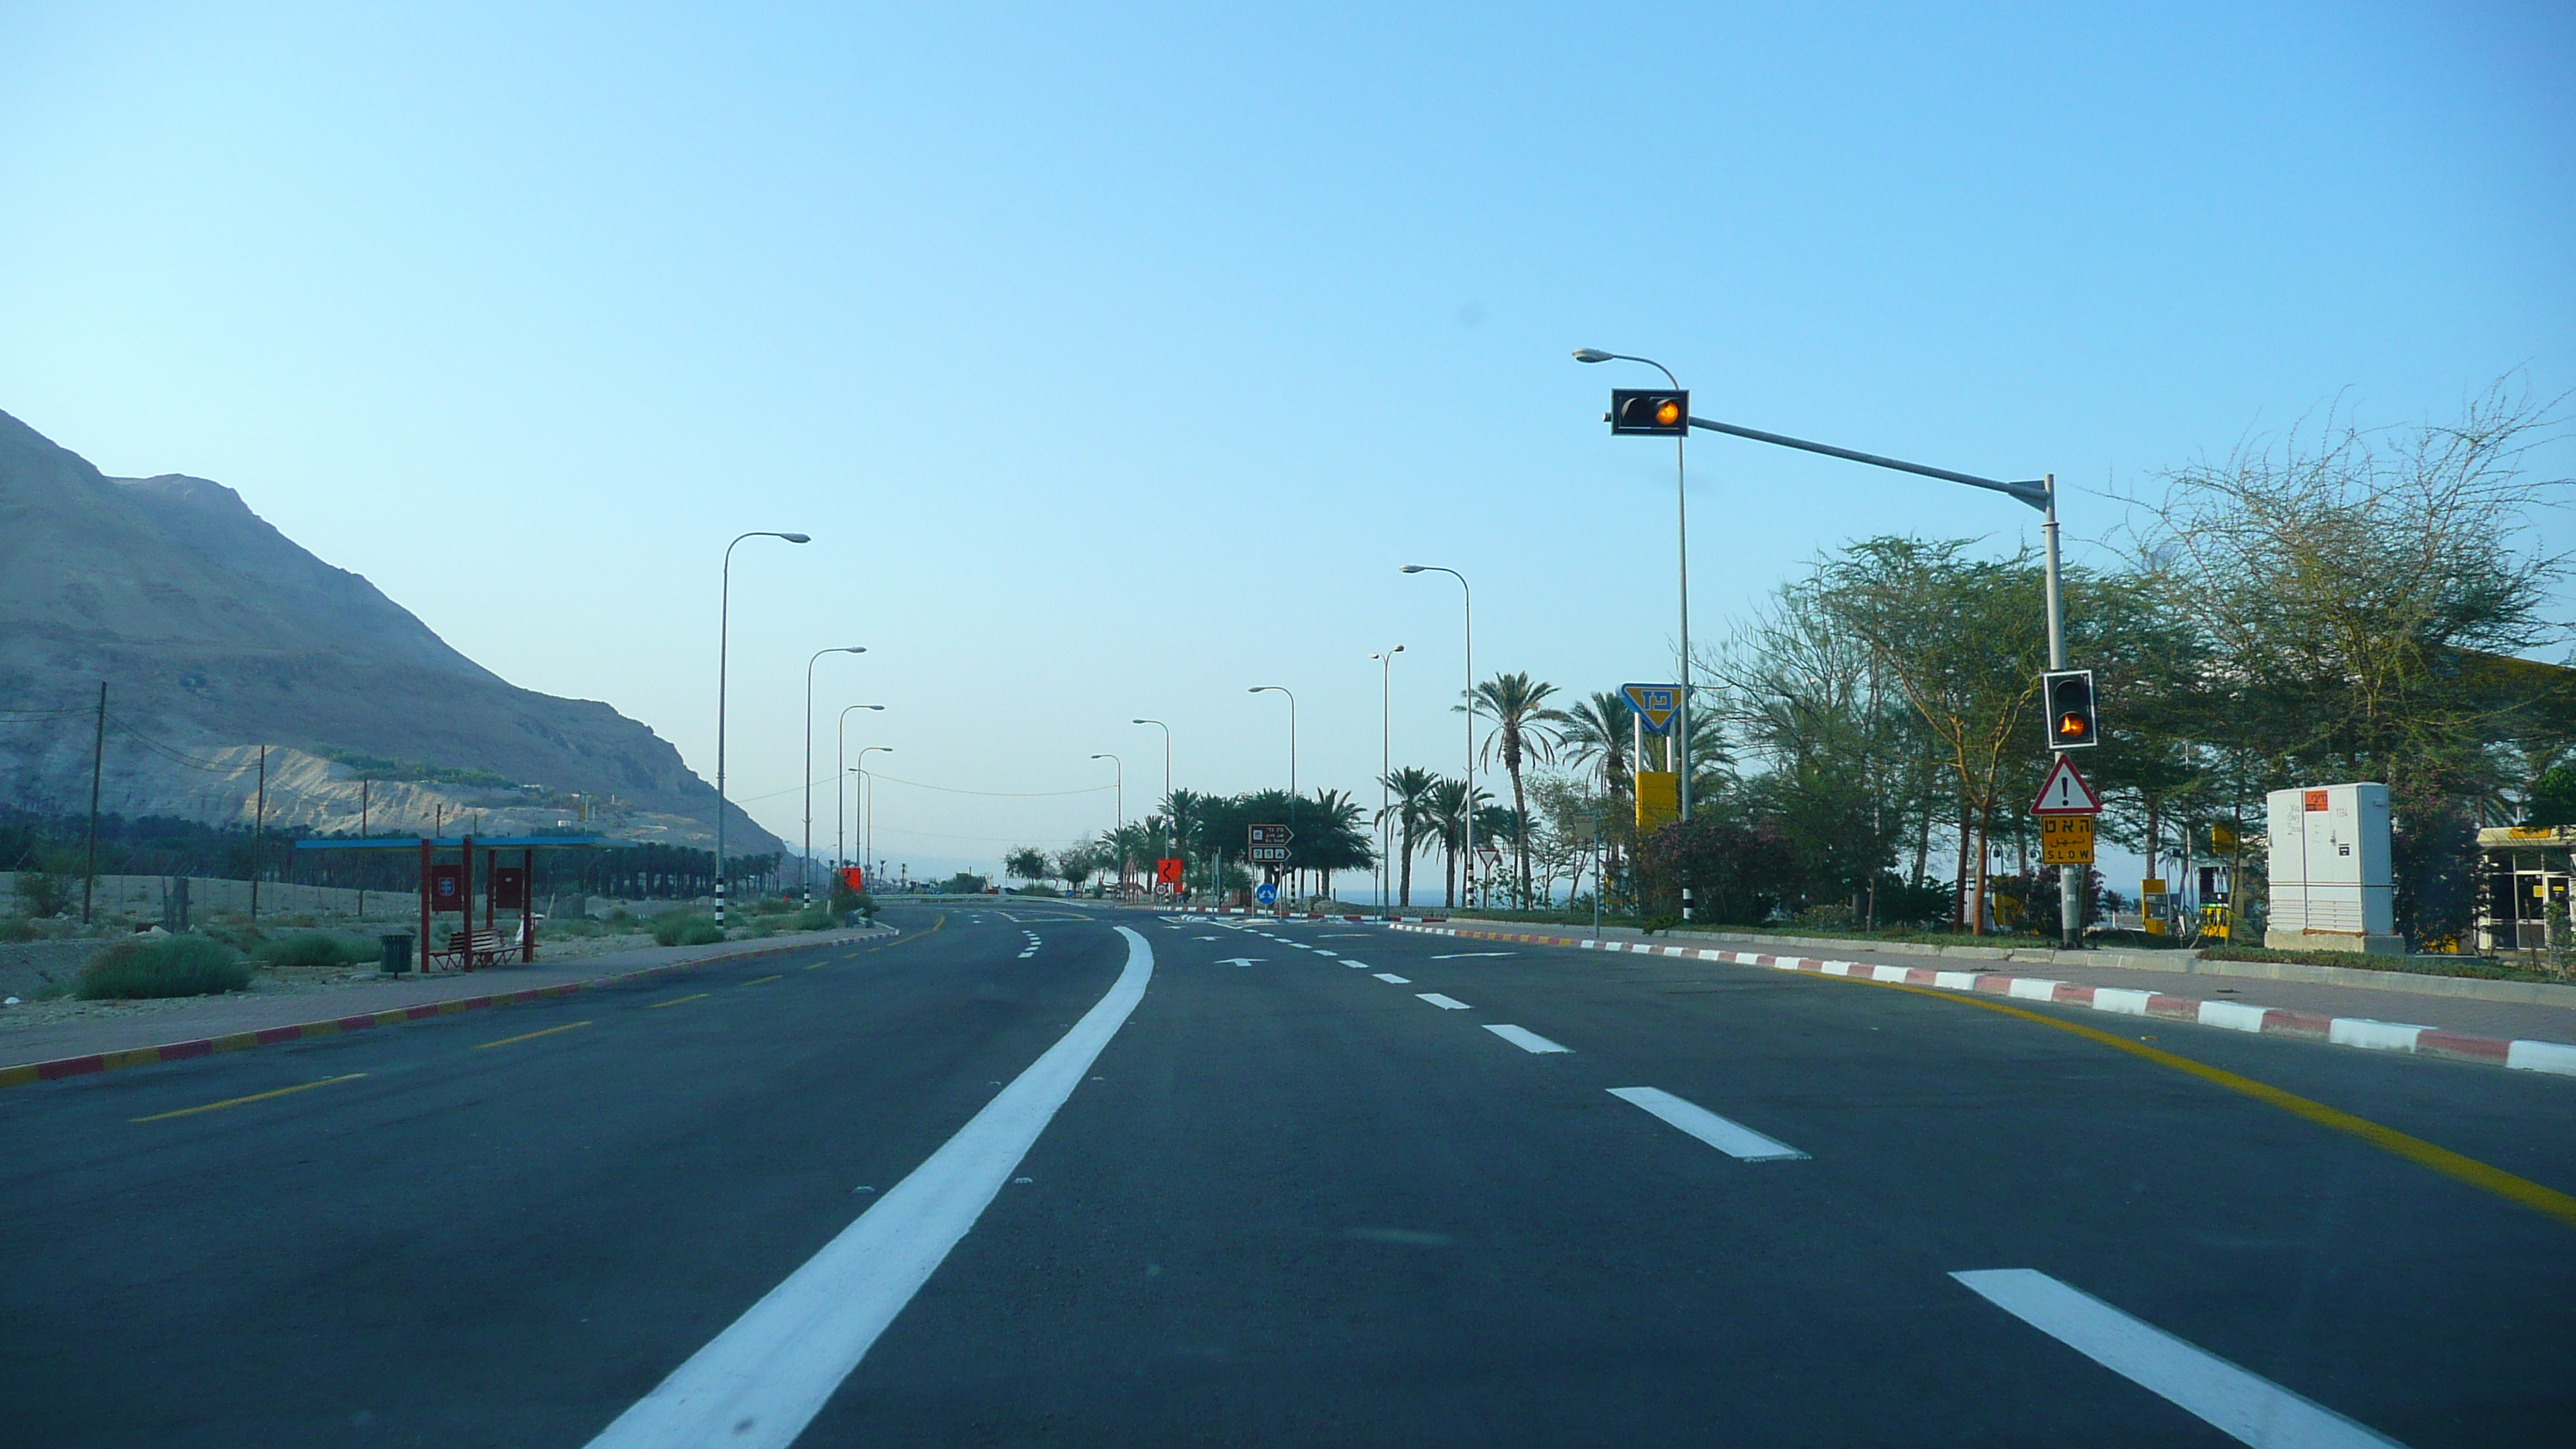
2351 1031
1259 914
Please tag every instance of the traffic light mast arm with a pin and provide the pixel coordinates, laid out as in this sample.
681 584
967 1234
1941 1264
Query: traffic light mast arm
2034 494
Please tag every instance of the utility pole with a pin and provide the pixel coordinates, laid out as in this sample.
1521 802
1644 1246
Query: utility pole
258 835
97 761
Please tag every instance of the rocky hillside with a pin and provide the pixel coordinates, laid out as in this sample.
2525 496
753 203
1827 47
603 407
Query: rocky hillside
217 634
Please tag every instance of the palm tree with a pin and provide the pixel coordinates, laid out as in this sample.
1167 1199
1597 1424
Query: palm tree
1597 731
1449 817
1524 730
1329 837
1414 816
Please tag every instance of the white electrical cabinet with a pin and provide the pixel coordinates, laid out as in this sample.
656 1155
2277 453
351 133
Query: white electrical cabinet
2332 887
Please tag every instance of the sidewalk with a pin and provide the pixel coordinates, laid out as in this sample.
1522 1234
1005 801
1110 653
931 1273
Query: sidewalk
38 1045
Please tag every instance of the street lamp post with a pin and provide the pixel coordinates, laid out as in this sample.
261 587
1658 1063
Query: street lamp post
1180 848
724 627
1468 856
2040 494
868 806
1385 758
805 866
1292 728
1122 821
1681 530
841 777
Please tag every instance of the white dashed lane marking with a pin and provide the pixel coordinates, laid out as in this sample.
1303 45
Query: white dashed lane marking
1445 1003
1391 979
2245 1407
1526 1040
1732 1138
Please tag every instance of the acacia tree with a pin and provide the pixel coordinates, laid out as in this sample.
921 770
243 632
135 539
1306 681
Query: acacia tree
2363 590
1964 642
1028 863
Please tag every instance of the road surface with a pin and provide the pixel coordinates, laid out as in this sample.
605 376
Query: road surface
1172 1181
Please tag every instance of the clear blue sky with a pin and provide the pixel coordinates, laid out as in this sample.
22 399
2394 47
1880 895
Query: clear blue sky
1116 360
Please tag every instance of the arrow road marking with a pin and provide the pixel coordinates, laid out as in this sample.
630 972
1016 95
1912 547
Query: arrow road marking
1241 960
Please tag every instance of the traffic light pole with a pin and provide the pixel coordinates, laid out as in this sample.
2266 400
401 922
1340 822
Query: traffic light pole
2041 495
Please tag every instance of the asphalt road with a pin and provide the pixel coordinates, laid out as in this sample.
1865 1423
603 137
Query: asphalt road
1286 1202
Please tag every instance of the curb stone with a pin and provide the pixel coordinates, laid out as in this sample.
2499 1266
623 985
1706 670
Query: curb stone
2556 1058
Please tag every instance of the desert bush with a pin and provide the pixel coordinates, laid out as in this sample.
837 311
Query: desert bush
316 948
42 892
814 918
164 966
683 929
17 928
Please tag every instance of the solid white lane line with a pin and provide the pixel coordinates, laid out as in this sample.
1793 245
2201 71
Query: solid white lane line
2246 1407
761 1381
1463 955
1391 979
1445 1003
1528 1041
1732 1138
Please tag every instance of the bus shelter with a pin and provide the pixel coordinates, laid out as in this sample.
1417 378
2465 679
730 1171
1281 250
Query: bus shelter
447 887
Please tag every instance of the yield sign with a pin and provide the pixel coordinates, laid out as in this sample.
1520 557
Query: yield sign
1654 704
2066 792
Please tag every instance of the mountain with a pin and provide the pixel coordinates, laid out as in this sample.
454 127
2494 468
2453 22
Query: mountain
217 634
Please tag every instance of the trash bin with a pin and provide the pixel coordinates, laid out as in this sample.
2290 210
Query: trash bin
397 953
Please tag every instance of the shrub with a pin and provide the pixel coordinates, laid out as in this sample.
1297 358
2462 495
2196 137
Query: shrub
42 892
170 966
814 918
17 928
316 948
682 929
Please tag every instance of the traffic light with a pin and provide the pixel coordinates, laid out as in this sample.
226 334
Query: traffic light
2072 724
1652 414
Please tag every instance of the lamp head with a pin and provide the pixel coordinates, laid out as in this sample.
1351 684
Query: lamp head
797 537
1591 354
856 649
1411 569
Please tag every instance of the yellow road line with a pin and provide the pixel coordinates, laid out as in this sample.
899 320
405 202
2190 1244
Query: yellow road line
2544 1200
253 1097
756 980
676 1000
532 1036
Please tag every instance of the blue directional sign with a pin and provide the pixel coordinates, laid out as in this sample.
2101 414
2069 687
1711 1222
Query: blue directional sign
1266 893
1654 704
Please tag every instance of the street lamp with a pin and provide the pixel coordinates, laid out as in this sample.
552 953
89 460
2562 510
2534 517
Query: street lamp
1469 808
1681 529
724 627
805 866
1167 754
1292 728
868 805
1122 786
1385 758
841 777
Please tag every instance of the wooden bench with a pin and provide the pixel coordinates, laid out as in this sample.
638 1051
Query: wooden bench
475 947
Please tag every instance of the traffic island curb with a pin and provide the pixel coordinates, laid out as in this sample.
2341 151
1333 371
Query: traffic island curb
2556 1058
95 1062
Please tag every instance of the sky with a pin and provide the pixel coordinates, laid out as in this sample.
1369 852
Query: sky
1116 358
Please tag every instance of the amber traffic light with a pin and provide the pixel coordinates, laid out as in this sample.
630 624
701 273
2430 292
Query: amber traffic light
1653 414
2072 723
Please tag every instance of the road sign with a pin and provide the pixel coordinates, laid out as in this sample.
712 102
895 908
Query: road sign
1659 798
2066 840
1654 704
1168 870
1266 894
2065 792
1268 835
1266 854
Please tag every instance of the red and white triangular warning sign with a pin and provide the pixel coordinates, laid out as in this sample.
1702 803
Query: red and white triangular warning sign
2066 792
